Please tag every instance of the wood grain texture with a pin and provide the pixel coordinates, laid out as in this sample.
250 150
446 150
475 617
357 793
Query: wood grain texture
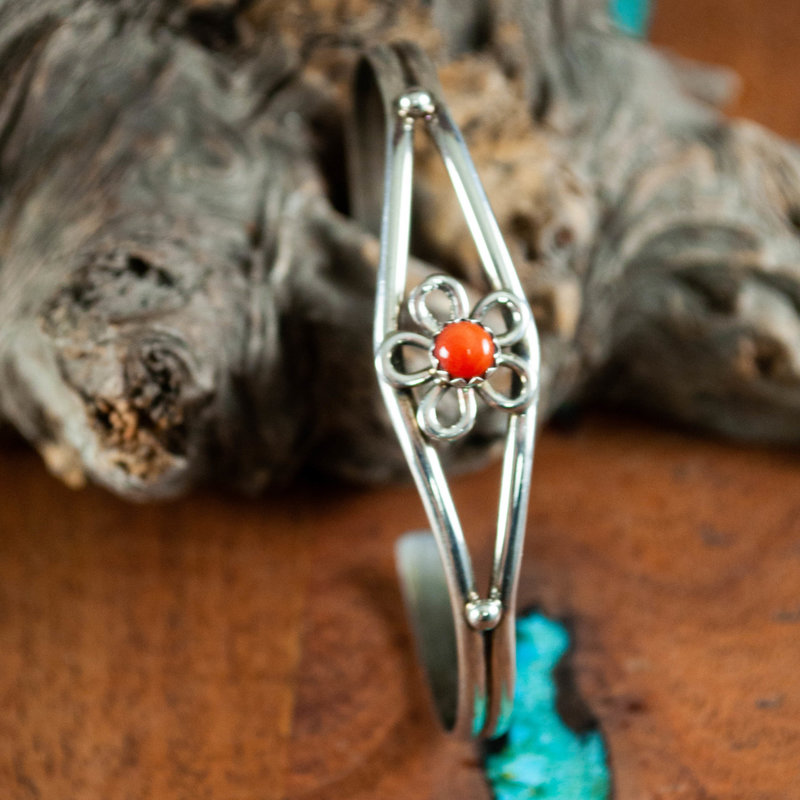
184 298
210 648
214 648
678 563
146 653
759 43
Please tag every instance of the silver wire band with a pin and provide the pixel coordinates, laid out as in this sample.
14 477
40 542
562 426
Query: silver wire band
466 640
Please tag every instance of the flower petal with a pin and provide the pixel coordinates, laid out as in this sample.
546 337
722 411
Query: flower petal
518 312
428 413
453 291
527 386
386 358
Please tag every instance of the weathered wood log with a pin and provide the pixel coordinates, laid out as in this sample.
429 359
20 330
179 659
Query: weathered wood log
183 296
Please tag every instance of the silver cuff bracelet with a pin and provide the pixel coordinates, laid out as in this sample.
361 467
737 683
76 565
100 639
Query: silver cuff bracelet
466 639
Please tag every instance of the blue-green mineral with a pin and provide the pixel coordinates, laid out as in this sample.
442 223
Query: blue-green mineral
632 16
543 759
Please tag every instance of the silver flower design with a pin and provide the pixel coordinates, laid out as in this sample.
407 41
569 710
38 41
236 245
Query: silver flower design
494 355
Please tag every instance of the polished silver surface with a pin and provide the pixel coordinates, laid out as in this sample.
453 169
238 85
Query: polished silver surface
451 289
466 639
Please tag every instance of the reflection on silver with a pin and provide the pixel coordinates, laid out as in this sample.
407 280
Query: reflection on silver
525 393
520 314
418 302
428 413
389 354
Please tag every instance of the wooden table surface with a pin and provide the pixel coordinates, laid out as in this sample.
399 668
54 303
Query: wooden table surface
218 648
246 650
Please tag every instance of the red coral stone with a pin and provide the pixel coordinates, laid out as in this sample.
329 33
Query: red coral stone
464 349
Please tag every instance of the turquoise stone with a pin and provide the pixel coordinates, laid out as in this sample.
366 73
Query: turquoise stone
542 758
632 16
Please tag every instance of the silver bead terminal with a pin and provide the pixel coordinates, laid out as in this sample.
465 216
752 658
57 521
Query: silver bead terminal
416 104
483 615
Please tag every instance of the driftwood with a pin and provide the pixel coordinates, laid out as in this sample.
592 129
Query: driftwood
183 296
